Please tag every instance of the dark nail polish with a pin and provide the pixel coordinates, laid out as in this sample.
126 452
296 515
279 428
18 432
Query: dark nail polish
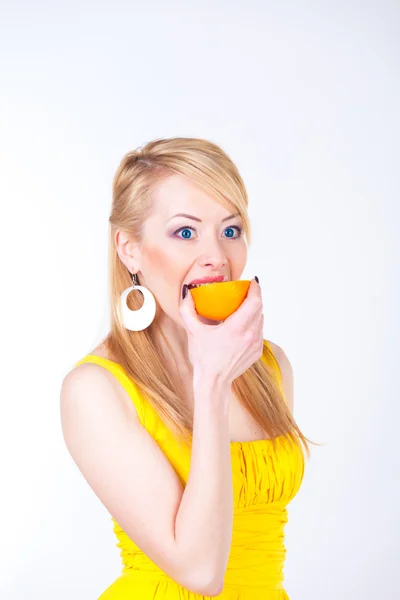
256 278
184 291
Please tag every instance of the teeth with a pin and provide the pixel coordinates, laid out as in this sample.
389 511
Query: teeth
194 285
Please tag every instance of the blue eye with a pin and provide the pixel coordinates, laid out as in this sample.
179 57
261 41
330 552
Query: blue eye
187 227
231 229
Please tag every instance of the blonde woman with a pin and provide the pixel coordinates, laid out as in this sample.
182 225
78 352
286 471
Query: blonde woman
183 426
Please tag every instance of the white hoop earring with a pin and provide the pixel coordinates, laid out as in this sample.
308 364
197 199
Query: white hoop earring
136 320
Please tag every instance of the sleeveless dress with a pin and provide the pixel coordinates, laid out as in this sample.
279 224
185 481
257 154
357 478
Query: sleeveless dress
264 481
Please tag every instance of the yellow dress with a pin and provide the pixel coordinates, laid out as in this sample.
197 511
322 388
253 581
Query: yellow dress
264 482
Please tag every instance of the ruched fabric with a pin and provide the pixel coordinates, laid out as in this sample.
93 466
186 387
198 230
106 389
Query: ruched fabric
267 474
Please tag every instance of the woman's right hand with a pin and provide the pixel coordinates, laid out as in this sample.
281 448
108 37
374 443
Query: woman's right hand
228 349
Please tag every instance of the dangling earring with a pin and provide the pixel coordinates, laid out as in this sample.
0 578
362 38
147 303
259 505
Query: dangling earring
136 320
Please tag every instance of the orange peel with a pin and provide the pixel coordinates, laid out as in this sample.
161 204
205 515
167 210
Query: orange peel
217 301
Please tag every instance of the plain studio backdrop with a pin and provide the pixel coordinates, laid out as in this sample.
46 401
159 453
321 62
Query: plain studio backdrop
305 99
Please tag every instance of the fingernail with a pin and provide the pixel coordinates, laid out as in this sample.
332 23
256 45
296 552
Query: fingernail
184 291
256 278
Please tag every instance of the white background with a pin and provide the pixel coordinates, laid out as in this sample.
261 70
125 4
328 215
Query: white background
305 99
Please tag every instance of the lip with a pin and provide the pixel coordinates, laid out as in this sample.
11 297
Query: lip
218 278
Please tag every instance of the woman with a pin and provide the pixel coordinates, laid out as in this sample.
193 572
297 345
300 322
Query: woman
183 426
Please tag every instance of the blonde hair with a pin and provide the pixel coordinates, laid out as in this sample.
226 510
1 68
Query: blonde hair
138 352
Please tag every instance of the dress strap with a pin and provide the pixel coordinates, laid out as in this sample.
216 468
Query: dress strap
117 370
134 393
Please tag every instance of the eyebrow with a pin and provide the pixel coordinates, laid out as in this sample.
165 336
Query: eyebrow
199 220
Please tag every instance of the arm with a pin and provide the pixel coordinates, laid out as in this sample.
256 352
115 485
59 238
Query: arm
185 531
204 521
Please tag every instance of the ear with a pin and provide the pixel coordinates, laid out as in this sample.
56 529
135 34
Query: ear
128 250
286 373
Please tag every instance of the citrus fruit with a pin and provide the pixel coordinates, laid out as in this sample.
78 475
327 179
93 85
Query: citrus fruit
218 300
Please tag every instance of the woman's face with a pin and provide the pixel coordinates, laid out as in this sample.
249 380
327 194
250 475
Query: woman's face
177 249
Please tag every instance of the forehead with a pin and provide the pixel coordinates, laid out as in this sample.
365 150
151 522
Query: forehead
178 193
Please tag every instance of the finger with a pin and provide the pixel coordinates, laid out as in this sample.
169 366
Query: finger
260 321
252 305
261 326
253 298
258 325
254 289
188 312
260 329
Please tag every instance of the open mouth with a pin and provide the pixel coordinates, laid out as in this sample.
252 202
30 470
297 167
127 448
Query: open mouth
195 285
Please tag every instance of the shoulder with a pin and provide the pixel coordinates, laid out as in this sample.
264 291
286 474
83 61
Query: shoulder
286 373
87 383
103 351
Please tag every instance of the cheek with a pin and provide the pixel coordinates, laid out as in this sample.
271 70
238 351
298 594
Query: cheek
238 262
163 272
162 268
155 258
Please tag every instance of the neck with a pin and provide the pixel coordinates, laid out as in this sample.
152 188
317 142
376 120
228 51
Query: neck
172 341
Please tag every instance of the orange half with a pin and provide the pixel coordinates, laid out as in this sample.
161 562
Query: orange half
217 301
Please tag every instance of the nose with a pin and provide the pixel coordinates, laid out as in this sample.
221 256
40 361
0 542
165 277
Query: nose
213 254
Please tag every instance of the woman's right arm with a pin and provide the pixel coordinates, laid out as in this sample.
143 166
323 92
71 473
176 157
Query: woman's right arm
204 522
187 531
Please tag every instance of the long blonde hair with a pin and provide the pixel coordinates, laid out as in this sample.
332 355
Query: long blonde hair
138 351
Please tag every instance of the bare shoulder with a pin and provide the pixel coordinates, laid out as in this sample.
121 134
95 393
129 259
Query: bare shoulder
286 372
128 472
103 351
91 376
